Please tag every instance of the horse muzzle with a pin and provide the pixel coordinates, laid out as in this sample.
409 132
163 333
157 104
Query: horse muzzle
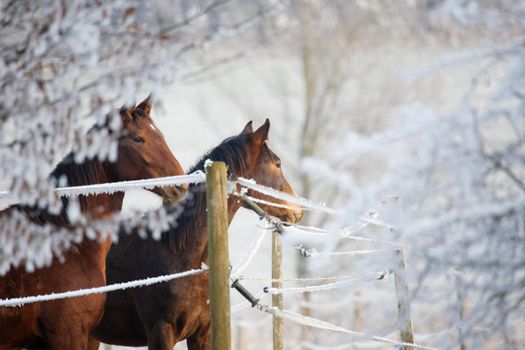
294 216
173 194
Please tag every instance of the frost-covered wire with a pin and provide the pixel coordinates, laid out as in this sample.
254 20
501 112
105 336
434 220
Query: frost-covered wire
353 252
274 204
345 283
377 222
196 177
14 302
353 345
320 324
310 279
121 186
294 236
372 240
284 196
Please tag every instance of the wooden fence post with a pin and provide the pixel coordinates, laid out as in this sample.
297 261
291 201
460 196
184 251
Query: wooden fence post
217 205
277 299
403 305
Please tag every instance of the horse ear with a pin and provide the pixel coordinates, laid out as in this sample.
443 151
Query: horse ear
125 114
145 105
261 134
248 129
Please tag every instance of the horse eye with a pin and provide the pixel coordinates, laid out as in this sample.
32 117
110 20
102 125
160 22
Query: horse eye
278 164
138 139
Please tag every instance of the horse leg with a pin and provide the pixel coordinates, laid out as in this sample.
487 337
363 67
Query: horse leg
93 344
200 340
161 337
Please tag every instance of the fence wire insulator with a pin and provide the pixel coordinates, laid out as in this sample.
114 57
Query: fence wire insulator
245 293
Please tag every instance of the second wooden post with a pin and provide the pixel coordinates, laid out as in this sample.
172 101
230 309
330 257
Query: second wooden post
403 304
217 204
277 299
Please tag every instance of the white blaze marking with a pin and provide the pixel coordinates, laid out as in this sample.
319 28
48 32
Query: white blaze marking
152 126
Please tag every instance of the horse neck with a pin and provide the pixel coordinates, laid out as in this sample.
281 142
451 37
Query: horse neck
193 229
92 172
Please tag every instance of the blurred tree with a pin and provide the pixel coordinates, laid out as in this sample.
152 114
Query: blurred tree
67 64
460 175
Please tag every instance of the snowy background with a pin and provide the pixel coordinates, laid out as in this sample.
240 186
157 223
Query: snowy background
407 117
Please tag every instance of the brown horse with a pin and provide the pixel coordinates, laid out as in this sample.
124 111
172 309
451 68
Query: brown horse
66 324
162 315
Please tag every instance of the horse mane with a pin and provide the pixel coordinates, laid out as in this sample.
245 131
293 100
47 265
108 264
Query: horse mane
232 151
90 171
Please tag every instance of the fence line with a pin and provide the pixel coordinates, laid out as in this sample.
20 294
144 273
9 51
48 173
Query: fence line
14 302
199 177
277 310
144 282
320 324
196 177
